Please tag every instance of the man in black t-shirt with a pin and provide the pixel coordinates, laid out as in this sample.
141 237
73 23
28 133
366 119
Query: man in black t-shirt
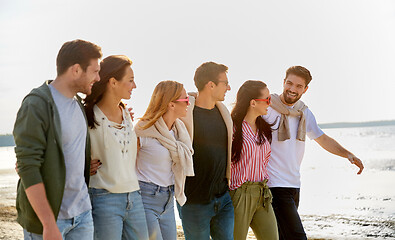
209 210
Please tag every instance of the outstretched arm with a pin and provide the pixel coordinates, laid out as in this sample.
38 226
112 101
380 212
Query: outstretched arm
334 147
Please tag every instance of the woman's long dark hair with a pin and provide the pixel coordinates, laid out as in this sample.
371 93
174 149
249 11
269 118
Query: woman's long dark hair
251 89
112 66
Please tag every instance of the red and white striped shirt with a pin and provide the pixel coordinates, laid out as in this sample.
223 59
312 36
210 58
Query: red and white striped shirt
253 159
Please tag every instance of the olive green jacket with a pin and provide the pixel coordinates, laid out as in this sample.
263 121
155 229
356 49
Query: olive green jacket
37 134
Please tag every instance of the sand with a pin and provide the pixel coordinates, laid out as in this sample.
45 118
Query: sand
9 228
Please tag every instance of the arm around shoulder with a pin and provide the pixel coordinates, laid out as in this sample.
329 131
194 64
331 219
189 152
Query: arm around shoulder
188 119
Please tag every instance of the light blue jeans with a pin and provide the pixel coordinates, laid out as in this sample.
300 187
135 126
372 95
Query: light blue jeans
159 209
118 215
215 219
76 228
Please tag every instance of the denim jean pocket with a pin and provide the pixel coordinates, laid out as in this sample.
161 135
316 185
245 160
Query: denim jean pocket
96 192
147 192
147 189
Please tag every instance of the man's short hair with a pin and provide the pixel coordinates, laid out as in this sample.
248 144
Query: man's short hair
207 72
76 51
300 72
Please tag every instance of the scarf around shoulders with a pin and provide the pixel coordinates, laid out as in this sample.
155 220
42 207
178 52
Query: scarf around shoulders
285 111
180 148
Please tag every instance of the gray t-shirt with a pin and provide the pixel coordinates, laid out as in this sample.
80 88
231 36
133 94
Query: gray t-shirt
75 198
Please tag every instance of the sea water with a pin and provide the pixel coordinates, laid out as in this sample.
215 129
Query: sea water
335 202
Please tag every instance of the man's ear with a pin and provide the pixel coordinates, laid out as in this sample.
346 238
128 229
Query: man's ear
75 70
210 85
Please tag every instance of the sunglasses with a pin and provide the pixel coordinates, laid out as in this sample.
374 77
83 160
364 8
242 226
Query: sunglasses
268 100
183 100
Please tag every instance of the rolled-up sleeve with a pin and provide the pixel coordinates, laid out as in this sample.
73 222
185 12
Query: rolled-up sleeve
30 139
313 131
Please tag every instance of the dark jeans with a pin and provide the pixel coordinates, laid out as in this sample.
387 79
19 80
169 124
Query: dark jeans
216 218
285 205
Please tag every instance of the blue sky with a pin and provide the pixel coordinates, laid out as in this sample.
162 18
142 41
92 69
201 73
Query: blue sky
347 45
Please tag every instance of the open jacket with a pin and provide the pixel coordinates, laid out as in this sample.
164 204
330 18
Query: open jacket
188 121
37 134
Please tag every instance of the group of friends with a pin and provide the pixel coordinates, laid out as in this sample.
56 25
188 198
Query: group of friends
87 173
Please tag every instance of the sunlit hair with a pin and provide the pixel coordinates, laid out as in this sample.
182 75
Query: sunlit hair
111 67
207 72
251 89
164 93
300 72
76 51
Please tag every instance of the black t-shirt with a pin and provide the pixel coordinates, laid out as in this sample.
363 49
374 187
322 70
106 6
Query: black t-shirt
210 144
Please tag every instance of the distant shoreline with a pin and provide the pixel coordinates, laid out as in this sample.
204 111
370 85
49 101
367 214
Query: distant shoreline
7 140
357 124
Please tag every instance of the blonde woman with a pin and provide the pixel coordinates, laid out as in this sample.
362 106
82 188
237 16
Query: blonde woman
117 208
164 158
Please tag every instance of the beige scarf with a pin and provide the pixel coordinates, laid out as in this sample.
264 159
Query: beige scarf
297 110
180 148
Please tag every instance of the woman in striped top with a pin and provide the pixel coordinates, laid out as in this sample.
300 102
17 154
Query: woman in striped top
250 154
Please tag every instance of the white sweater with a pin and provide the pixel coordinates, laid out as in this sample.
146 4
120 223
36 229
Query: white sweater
116 149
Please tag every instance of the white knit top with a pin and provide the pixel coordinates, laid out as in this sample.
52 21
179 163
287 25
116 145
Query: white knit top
115 145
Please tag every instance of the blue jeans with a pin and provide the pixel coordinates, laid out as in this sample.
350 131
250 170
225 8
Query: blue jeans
118 215
76 228
285 205
216 218
159 209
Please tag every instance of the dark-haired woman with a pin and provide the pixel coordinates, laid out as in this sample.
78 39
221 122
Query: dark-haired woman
117 207
250 154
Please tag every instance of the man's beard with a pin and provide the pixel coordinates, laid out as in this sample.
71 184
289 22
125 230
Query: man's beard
290 100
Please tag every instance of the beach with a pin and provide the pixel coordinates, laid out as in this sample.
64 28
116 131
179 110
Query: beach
336 203
9 228
317 227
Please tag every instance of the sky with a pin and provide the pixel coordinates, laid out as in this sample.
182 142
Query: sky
348 46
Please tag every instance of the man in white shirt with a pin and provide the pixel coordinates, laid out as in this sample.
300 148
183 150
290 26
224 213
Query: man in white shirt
292 122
